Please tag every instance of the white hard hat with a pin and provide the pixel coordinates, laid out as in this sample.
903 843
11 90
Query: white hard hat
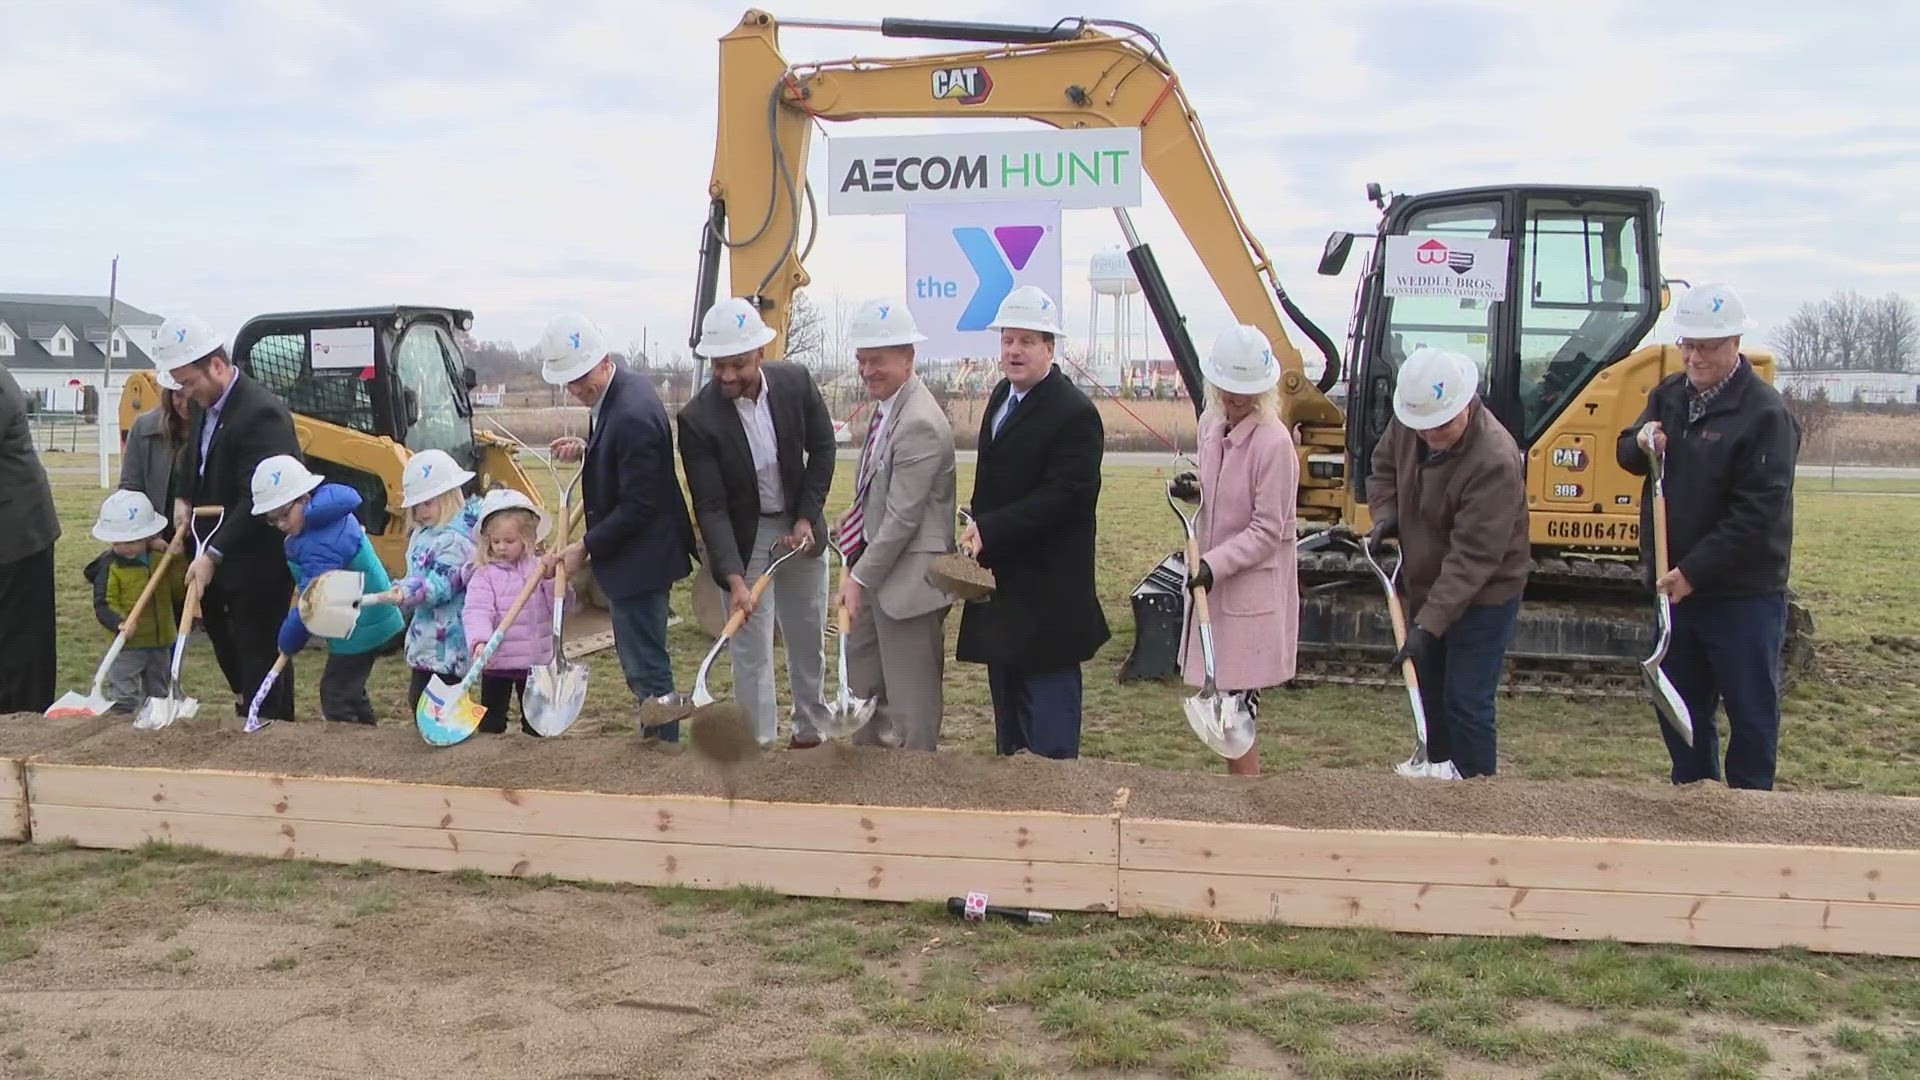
430 473
569 348
880 323
184 339
1435 386
1241 362
279 480
508 499
126 516
1711 310
732 327
1028 308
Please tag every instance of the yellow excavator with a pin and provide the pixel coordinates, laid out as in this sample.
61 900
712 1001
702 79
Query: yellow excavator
1561 348
359 425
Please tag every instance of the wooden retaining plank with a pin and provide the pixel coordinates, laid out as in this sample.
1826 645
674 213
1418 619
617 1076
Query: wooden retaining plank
976 834
840 874
13 800
1523 862
1566 914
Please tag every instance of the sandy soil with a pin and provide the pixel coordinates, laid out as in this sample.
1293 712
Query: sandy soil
864 776
561 983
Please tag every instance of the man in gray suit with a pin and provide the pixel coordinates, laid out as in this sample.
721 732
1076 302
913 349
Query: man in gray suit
27 655
902 516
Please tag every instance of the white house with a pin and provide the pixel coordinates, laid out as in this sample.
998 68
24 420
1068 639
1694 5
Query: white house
58 347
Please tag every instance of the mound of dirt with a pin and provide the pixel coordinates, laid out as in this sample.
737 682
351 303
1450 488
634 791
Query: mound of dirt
1322 799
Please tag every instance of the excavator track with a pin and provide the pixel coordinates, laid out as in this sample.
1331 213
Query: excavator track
1585 625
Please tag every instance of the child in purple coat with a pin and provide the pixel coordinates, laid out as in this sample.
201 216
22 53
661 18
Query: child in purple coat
506 555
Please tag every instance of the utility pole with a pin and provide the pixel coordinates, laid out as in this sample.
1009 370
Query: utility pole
107 415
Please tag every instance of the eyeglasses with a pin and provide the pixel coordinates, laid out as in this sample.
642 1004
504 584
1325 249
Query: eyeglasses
279 515
1704 344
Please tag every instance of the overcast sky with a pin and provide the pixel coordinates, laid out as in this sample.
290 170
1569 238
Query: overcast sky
519 157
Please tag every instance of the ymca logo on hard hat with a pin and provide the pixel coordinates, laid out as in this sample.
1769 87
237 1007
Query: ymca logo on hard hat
1435 386
126 516
279 480
182 340
570 347
508 499
730 328
880 323
1708 311
430 473
1028 308
1241 362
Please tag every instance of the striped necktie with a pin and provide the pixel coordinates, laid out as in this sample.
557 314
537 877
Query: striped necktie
851 536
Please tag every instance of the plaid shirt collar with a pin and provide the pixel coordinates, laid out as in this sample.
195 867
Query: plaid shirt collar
1698 400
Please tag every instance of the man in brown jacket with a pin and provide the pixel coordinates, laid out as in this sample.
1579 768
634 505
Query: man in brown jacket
1448 481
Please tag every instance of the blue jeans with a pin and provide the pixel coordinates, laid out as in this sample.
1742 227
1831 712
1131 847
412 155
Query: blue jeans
1727 649
1459 678
1039 713
640 638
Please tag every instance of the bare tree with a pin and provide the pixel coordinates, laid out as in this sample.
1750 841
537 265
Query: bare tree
1802 342
805 331
1843 320
1892 333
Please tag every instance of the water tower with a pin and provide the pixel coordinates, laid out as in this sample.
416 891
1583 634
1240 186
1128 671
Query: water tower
1110 274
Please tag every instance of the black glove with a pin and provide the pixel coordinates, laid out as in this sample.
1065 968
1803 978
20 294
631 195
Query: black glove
1384 529
1419 641
1200 577
1186 487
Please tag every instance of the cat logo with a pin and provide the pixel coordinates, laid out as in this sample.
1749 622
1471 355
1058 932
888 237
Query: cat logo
1570 458
965 85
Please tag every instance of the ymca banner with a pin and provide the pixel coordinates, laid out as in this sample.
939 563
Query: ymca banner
964 258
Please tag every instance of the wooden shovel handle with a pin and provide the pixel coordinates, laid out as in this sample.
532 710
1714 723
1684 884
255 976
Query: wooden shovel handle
1199 593
1399 618
132 621
190 610
739 618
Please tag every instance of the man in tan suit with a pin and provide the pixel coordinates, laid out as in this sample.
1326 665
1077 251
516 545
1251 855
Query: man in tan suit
902 516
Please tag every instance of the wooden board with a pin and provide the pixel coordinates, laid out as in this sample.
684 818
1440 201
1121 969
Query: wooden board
1036 836
13 800
849 875
1655 866
1566 914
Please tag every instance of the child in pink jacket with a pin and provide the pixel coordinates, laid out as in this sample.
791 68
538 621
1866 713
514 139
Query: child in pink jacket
505 556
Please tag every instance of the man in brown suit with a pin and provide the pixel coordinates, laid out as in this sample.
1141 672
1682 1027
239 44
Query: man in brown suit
1448 480
902 516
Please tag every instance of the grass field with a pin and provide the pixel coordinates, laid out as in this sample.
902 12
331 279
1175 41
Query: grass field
147 963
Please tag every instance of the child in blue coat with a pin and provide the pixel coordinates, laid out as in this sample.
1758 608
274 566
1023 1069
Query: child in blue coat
322 534
439 557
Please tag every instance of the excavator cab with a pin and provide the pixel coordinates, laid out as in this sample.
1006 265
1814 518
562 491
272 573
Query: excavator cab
1582 289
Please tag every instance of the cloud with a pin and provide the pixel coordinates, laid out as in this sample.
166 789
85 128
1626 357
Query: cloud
517 157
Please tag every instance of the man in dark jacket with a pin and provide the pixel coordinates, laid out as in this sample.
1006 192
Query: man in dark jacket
1036 493
1730 449
757 442
638 534
245 587
26 561
1448 480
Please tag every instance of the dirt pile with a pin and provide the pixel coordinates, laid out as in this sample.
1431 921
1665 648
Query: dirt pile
867 776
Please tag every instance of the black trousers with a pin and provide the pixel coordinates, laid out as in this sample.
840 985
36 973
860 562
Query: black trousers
343 687
27 635
244 626
498 691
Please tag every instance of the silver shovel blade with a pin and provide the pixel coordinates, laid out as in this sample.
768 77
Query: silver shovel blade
1666 700
163 712
556 693
1223 723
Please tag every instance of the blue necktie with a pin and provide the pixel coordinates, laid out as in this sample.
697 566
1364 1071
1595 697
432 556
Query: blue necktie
1006 412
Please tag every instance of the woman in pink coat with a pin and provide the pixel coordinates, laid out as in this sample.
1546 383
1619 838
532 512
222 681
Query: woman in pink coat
1247 487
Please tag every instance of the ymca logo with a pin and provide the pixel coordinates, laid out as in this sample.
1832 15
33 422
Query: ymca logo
994 259
574 339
